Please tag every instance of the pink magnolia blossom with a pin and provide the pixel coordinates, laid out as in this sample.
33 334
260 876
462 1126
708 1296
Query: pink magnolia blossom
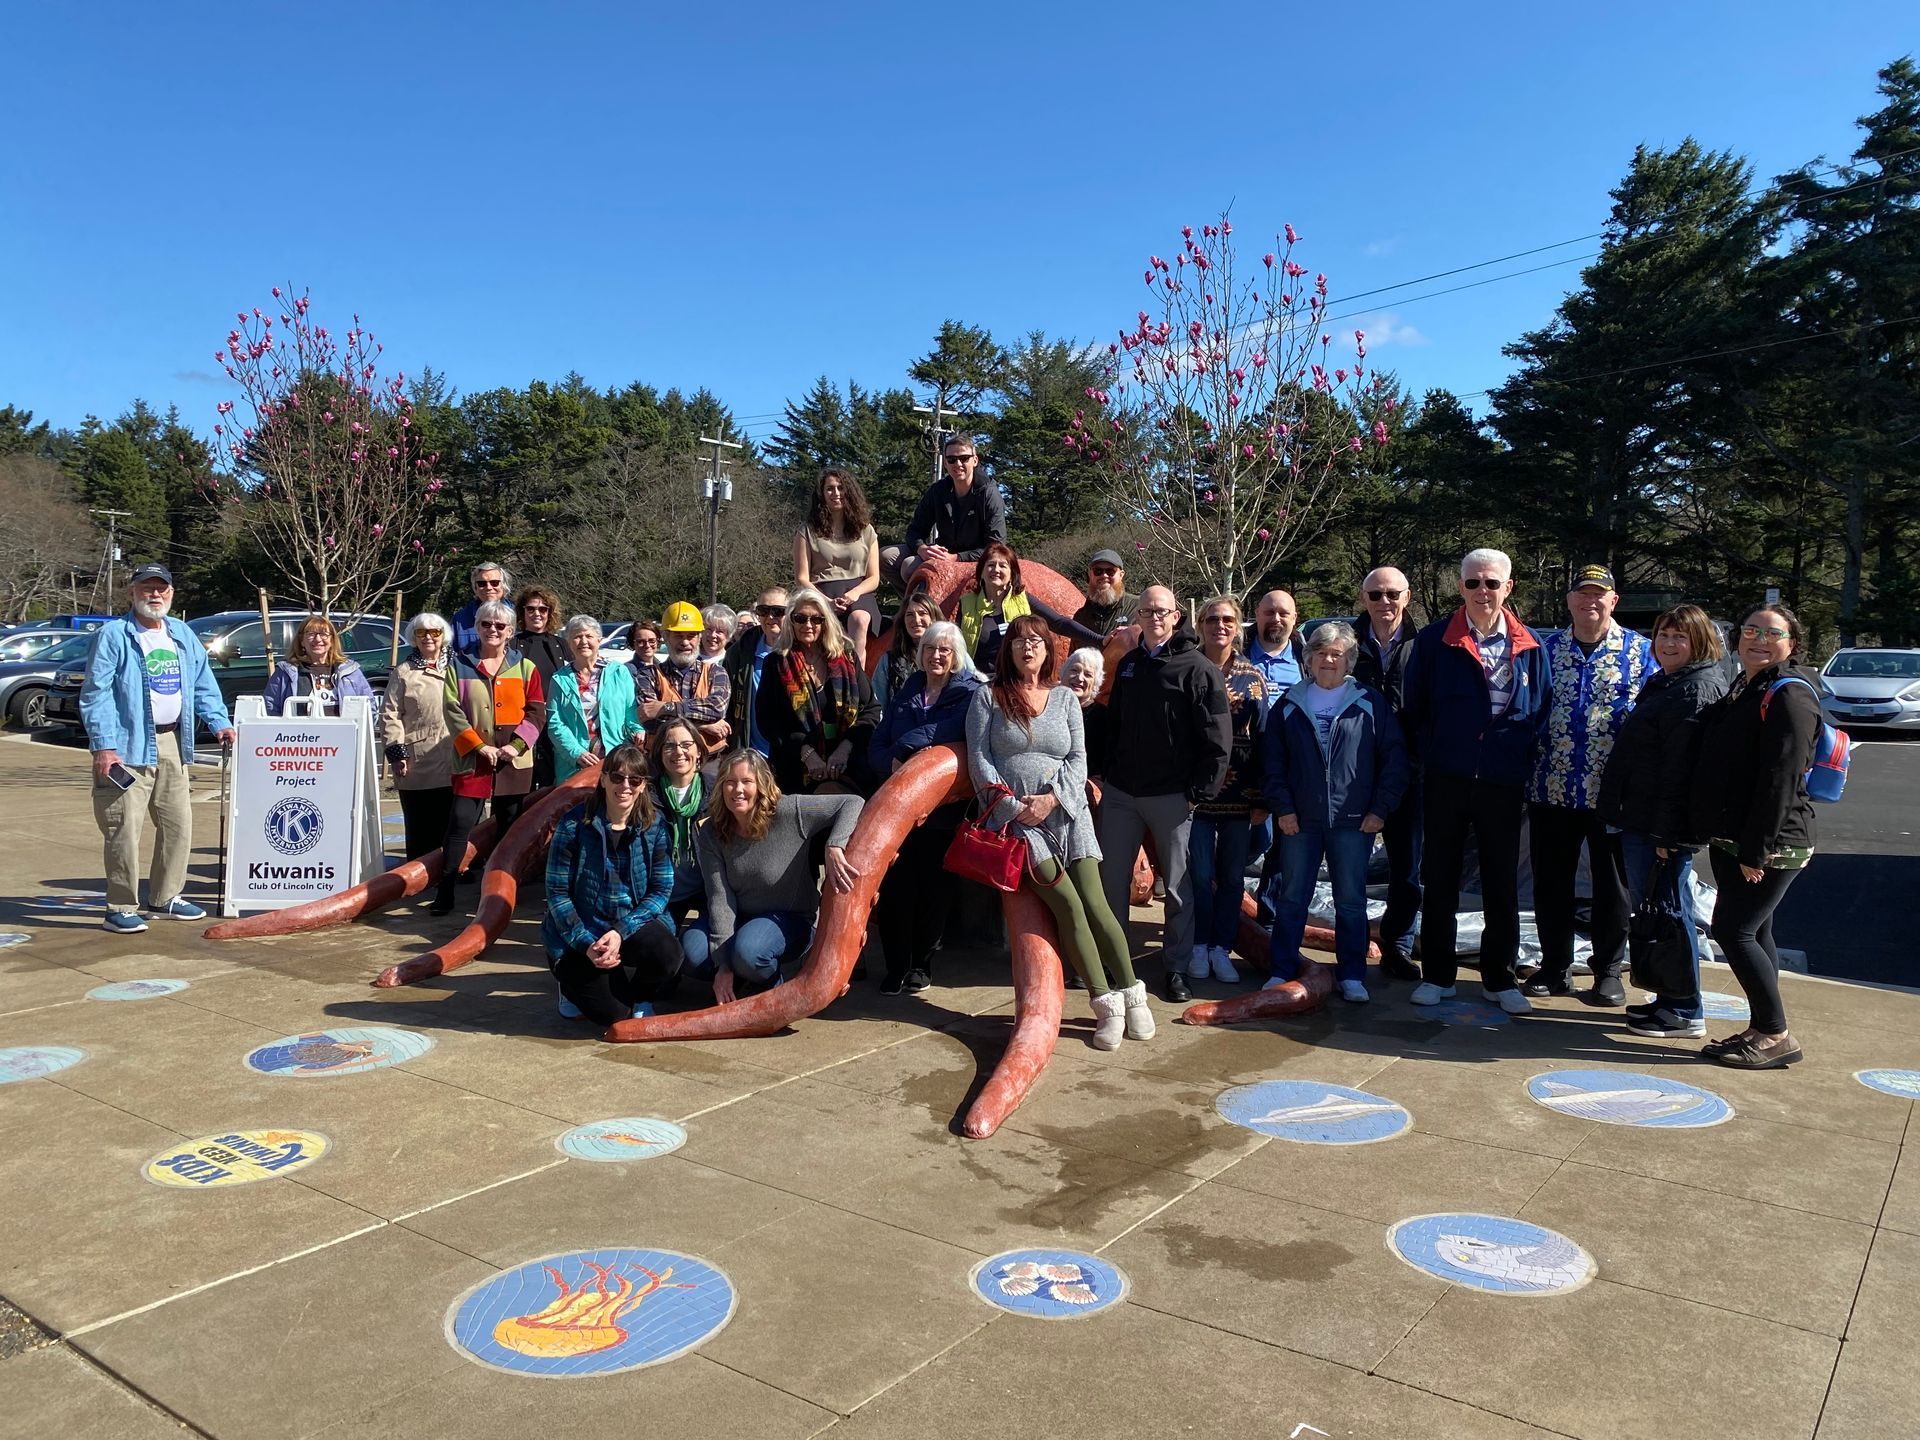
1267 260
1379 432
1263 532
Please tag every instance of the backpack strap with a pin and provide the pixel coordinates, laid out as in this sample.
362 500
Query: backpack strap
1784 680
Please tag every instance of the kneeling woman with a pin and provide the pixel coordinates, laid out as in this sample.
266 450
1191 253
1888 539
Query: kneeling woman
609 873
756 860
1025 734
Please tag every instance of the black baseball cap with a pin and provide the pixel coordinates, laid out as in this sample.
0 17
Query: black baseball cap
1598 576
1106 557
152 570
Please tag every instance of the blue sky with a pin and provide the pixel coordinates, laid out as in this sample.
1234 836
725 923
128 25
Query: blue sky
748 196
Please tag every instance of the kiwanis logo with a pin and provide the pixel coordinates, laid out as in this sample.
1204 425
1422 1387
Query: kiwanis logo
294 826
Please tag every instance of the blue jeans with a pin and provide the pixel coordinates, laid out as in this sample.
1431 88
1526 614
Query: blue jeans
1345 852
1217 848
757 946
1636 850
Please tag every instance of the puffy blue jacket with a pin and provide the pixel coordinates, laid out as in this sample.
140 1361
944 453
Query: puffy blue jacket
1363 770
115 707
908 727
1447 711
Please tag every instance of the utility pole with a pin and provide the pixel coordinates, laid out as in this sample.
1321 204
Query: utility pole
113 550
935 425
718 489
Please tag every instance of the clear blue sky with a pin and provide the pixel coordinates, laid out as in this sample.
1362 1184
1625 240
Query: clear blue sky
748 196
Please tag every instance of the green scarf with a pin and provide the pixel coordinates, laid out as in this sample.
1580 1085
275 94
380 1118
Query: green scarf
681 818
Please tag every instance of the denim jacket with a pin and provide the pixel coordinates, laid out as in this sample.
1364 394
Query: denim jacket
115 706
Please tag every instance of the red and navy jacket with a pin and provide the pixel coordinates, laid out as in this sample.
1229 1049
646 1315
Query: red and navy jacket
1447 704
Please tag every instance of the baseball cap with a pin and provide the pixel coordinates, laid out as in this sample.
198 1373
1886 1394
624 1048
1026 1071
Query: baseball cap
152 570
683 618
1106 557
1598 575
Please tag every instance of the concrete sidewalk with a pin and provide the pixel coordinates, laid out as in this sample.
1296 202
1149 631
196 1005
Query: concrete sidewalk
1759 1277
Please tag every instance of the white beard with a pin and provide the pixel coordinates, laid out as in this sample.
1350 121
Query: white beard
150 609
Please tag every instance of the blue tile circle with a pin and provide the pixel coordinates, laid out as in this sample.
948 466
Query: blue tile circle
31 1062
11 938
136 989
1724 1007
1625 1097
637 1137
1464 1012
1904 1083
1492 1253
1313 1112
345 1051
1049 1284
591 1312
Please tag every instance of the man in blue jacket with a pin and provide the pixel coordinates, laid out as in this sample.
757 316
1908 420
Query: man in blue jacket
1475 697
148 684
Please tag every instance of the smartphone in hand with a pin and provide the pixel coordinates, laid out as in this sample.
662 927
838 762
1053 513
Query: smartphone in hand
119 776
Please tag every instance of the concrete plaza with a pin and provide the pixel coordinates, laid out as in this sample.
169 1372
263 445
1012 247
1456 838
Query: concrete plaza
1759 1277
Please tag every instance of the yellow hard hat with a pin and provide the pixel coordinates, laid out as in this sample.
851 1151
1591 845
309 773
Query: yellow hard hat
683 617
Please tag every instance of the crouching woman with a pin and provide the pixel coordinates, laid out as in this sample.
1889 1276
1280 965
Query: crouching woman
609 873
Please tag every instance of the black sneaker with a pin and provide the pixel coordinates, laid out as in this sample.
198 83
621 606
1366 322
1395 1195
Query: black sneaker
892 984
1543 983
1397 964
1665 1025
1074 982
917 980
1174 989
1640 1012
1606 990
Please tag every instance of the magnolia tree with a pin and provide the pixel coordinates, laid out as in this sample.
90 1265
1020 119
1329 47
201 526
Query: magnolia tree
321 456
1226 426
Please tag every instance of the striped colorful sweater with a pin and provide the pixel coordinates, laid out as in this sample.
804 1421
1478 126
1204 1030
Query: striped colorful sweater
508 710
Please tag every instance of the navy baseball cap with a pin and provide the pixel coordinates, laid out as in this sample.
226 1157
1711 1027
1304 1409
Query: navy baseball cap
152 570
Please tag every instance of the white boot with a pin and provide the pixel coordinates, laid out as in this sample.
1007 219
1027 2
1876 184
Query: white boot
1139 1013
1110 1011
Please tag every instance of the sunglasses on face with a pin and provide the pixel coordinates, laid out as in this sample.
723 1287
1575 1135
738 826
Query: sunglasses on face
1755 632
1385 594
1216 620
1474 582
489 584
625 782
533 609
961 459
807 618
770 612
494 625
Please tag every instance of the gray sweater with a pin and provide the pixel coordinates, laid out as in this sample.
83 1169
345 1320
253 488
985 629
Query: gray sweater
1052 757
745 878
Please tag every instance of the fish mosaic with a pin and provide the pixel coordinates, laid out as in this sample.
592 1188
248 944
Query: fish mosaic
1904 1083
338 1052
1492 1253
1313 1112
637 1137
1614 1097
32 1062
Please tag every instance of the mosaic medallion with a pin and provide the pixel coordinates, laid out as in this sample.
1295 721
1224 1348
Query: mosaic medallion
1622 1097
1725 1007
1313 1112
11 938
1904 1083
633 1138
30 1062
1492 1253
345 1051
136 989
591 1312
239 1157
1049 1284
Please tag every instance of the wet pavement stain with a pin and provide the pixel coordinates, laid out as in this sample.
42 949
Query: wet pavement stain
1309 1262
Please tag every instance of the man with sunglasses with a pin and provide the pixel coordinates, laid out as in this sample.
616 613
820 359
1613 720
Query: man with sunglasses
490 581
1386 644
1108 603
744 658
958 517
1474 697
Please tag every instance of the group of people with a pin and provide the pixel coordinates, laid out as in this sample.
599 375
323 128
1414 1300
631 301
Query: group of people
734 752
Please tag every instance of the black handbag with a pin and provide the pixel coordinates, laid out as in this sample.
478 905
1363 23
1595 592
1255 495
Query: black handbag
1657 939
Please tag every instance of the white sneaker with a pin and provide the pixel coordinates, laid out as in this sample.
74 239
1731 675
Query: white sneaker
1511 1001
1223 970
1198 966
1427 993
1353 992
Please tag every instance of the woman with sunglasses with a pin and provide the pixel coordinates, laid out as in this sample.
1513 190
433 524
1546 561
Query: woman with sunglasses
496 708
609 873
592 710
902 657
680 793
1024 735
998 596
756 861
1750 800
1222 832
539 639
815 707
837 553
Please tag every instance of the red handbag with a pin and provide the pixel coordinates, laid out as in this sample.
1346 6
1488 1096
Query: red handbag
992 857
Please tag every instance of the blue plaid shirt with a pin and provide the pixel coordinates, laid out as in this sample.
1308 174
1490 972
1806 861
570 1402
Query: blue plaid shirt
594 886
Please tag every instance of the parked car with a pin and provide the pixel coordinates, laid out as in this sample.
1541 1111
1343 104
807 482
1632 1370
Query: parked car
23 642
24 683
1873 690
236 646
614 647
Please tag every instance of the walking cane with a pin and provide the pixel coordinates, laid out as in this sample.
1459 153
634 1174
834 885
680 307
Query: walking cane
226 770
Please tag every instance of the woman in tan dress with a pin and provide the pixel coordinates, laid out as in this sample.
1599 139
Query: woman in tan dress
837 553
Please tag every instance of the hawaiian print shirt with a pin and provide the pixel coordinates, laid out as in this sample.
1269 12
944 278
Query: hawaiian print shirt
1591 695
1246 708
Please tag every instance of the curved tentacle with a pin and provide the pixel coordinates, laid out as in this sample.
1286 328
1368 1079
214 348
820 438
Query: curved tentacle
1039 993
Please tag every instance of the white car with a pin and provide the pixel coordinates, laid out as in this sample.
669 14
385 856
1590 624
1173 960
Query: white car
1872 690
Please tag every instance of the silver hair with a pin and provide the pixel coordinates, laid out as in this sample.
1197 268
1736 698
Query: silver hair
1486 556
506 577
950 632
494 610
1332 633
579 623
719 615
1089 658
832 636
428 620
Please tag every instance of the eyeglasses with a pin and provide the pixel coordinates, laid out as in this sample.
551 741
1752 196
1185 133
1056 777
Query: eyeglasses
1030 642
1385 594
807 617
1754 632
493 625
960 459
1474 582
674 747
770 612
1155 612
530 608
625 782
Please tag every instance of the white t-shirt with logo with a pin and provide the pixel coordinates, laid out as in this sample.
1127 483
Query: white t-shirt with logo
160 655
1325 705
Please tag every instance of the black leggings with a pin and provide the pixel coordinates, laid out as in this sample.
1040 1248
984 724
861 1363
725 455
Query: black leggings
1743 929
466 814
649 959
913 900
426 813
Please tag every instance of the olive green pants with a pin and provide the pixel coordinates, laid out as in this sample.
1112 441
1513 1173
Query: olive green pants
1096 946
